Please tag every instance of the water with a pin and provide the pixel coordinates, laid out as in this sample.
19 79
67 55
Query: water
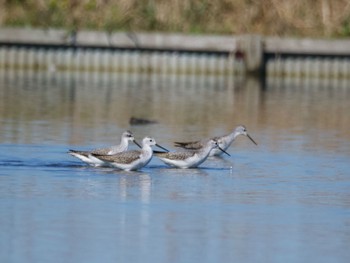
287 200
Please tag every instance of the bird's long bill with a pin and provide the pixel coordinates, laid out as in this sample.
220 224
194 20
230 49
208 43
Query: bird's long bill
223 151
137 144
161 147
251 139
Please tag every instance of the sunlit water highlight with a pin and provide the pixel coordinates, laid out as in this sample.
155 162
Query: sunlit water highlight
287 200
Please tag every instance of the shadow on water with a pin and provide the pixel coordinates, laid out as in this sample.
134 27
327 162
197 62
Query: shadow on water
88 108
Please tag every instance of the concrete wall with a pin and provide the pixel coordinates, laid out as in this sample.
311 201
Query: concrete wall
176 53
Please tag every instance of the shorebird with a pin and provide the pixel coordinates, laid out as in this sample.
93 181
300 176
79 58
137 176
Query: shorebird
223 141
131 160
87 156
189 159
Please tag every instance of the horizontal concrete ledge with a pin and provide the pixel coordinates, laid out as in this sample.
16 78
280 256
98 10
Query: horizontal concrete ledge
174 41
307 46
119 39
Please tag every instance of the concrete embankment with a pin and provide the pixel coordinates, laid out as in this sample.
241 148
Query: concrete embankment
173 53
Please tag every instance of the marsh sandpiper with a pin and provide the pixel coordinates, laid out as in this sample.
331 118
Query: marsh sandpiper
189 159
223 141
89 158
131 160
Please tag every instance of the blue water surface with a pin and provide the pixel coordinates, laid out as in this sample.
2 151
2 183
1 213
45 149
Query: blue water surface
285 200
